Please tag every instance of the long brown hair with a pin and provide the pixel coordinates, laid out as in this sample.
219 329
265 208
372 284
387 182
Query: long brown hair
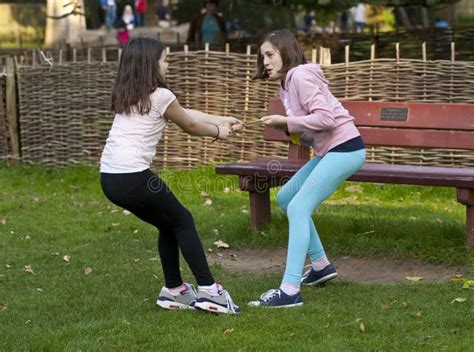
138 76
290 51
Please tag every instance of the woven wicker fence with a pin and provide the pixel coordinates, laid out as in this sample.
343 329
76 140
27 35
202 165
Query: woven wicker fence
64 108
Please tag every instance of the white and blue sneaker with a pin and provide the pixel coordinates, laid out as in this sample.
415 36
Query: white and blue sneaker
276 298
220 302
313 277
184 299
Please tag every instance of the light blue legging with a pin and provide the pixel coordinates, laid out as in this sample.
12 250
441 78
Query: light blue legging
303 193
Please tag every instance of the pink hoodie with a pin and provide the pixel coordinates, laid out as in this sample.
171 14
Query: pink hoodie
313 111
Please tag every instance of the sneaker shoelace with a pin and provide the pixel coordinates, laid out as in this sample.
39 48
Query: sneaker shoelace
230 303
188 288
270 294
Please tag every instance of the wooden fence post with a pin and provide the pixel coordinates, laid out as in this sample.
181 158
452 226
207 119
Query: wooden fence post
12 116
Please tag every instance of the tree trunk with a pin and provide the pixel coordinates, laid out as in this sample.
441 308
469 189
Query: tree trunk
64 23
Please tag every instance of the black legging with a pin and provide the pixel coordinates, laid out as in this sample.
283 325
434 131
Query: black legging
147 196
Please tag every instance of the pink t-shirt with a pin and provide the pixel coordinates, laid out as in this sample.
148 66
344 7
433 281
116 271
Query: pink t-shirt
313 111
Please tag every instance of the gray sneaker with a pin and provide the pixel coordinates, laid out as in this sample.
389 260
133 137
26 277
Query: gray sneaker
220 303
182 300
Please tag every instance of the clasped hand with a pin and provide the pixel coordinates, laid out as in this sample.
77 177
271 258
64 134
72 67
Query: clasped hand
276 121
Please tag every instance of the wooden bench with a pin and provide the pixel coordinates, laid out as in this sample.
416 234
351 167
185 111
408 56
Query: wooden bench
419 125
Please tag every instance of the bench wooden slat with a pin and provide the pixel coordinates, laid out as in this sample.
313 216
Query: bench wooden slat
370 172
420 115
449 124
417 138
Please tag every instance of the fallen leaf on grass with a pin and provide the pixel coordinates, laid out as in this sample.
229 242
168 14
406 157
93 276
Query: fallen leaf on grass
39 290
352 200
362 327
414 278
208 202
354 188
226 190
465 282
115 224
126 212
228 331
459 300
417 314
221 244
67 258
385 306
3 306
87 271
204 194
468 283
216 232
3 221
28 269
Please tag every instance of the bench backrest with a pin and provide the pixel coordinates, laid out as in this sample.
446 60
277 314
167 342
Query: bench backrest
425 125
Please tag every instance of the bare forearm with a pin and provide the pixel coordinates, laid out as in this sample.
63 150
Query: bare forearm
200 128
204 117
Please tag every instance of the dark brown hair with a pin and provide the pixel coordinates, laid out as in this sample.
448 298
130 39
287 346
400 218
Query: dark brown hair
138 76
290 51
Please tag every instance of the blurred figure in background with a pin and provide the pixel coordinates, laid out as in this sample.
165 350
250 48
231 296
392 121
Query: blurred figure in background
141 7
128 17
309 21
110 9
163 14
208 27
122 34
358 13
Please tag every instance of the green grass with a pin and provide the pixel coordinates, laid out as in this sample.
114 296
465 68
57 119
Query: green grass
52 213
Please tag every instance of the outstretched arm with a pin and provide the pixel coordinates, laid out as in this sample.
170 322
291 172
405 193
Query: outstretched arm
229 121
195 126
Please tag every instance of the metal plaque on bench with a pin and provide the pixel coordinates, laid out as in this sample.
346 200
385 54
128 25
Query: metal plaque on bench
394 114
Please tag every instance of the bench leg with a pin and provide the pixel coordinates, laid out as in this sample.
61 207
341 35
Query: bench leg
259 194
466 197
470 225
260 212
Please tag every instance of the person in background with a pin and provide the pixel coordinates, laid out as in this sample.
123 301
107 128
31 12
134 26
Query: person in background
128 17
164 14
141 7
208 27
358 13
344 21
122 34
309 21
110 10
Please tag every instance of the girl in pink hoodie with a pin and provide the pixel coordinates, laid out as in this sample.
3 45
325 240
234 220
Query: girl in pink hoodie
319 119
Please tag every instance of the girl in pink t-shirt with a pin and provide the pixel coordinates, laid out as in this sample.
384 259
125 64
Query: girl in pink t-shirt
318 119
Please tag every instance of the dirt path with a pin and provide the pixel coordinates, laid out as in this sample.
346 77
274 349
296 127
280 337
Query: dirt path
377 270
